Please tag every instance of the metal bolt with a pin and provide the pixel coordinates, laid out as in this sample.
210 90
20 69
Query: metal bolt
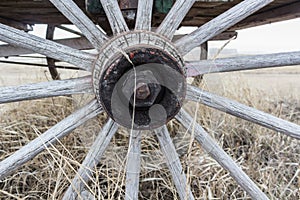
142 91
147 88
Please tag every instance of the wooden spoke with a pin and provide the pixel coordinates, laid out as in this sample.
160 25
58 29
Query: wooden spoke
46 89
63 128
114 15
173 162
244 112
220 24
91 160
46 47
175 17
71 11
76 43
144 15
242 63
133 166
216 152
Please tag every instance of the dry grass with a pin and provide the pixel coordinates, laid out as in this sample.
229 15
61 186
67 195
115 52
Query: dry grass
269 158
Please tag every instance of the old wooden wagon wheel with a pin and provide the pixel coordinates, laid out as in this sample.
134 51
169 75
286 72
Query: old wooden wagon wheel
138 78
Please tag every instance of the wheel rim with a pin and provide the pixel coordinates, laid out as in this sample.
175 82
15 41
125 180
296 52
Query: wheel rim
97 63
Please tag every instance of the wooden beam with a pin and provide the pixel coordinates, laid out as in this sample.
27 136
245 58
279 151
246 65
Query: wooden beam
222 36
286 12
115 16
46 89
195 68
174 18
133 166
244 112
92 159
16 24
48 48
173 162
144 15
70 9
7 50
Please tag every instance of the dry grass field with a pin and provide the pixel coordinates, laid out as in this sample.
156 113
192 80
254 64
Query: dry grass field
269 158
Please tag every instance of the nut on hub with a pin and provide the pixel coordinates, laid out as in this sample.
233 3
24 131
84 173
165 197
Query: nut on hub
146 86
154 75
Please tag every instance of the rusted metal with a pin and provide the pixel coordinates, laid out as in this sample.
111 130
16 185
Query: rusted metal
161 84
142 91
147 88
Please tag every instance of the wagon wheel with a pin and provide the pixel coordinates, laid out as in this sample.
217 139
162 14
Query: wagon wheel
128 68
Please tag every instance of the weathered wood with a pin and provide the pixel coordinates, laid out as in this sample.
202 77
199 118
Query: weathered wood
75 43
43 12
133 166
244 112
71 11
114 15
285 12
50 61
46 47
220 24
61 129
144 15
173 163
86 195
222 36
16 24
203 56
69 30
46 89
174 18
92 159
217 153
195 68
22 64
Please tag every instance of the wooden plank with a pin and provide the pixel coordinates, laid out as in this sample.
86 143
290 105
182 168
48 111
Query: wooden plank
217 153
174 18
61 129
114 15
173 163
144 15
75 43
47 89
244 112
222 36
133 166
219 24
92 159
46 47
283 12
71 11
16 24
195 68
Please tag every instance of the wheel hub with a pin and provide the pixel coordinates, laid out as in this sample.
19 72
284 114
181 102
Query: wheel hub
143 83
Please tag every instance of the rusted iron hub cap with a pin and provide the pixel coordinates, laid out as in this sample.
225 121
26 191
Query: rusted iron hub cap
141 87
